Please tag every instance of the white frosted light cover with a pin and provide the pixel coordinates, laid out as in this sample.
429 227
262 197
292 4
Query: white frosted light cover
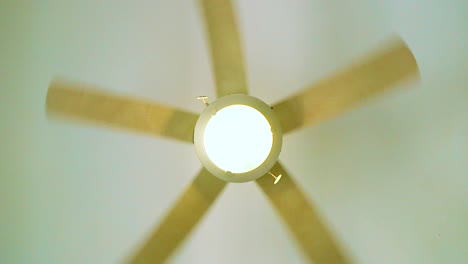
238 138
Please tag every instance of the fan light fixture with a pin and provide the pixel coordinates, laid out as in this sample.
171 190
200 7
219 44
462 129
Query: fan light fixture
238 138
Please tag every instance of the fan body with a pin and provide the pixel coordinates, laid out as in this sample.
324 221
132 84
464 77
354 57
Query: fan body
373 75
274 127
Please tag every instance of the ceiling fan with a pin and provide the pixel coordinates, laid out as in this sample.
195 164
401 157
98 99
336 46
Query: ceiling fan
235 122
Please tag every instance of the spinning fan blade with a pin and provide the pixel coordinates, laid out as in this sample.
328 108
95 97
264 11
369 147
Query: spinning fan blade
373 75
189 209
226 51
85 103
302 219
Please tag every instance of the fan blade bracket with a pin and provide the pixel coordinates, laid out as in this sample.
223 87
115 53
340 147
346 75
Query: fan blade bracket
377 73
225 47
302 218
86 103
177 225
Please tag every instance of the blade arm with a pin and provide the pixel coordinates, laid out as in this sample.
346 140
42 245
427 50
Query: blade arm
90 104
225 47
177 225
303 220
374 75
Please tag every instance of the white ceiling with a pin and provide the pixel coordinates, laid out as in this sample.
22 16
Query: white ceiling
390 177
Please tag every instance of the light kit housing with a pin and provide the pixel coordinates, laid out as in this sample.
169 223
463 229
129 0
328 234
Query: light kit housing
238 138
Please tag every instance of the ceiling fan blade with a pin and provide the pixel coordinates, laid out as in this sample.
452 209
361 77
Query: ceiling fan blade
375 74
225 46
86 103
303 220
180 220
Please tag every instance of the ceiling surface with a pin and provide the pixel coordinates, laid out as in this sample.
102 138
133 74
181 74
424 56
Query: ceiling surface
390 177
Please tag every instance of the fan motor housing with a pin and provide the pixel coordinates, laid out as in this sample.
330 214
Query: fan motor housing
211 110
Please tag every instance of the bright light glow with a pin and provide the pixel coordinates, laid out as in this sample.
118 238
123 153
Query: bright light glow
238 138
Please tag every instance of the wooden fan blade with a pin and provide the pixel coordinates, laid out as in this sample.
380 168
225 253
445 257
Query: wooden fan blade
375 74
176 226
302 219
86 103
225 45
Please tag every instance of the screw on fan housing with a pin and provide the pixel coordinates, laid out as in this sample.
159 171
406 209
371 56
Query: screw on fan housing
203 98
277 178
